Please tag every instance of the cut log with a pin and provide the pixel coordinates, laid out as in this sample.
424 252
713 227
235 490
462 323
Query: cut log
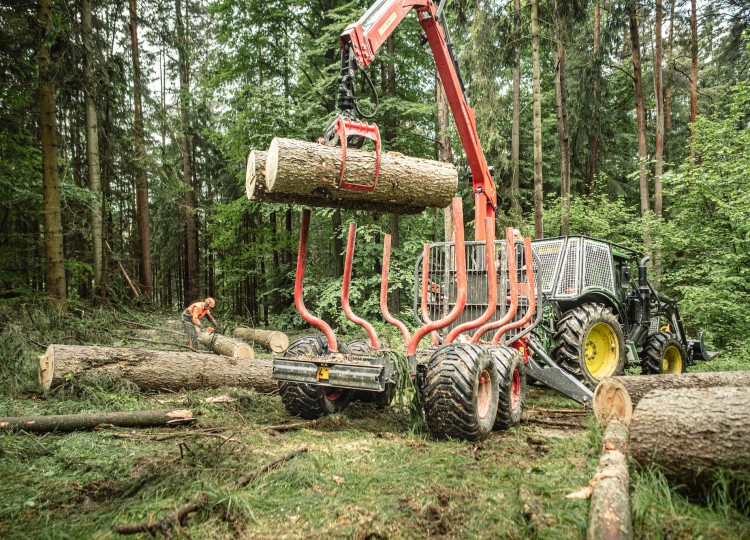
255 186
609 512
255 177
691 433
617 397
225 346
272 340
75 422
306 169
155 370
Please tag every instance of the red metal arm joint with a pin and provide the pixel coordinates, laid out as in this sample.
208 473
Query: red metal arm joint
345 289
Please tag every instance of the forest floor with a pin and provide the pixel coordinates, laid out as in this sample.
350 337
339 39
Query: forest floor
367 473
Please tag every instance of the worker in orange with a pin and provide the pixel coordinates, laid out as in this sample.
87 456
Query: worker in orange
192 315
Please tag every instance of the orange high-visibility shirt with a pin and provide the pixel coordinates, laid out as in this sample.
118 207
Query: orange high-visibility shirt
198 310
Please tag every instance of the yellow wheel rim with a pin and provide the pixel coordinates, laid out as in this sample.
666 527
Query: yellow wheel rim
672 361
602 351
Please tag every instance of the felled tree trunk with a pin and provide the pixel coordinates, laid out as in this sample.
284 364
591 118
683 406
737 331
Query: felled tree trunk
310 169
256 189
690 433
609 512
270 339
155 370
226 346
75 422
617 397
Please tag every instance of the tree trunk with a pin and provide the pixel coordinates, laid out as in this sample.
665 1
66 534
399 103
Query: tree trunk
537 98
298 167
444 152
193 285
594 135
225 346
139 158
256 189
155 370
609 511
617 397
75 422
693 74
562 130
55 281
92 151
640 110
338 244
515 138
668 97
692 433
272 340
659 91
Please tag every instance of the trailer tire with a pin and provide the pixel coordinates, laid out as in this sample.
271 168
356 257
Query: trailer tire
461 392
511 387
307 400
663 353
590 344
380 399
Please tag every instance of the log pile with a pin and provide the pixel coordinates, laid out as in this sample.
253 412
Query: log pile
155 370
617 397
691 426
272 340
76 422
307 173
225 346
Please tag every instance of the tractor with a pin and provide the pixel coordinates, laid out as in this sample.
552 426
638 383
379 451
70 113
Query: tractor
560 311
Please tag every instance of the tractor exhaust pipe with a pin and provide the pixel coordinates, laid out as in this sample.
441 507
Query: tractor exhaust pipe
643 272
641 329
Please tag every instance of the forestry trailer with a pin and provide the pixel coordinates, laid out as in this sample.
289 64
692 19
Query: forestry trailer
564 311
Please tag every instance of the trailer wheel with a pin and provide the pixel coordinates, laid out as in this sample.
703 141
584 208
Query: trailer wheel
380 399
511 388
461 392
307 400
663 353
590 343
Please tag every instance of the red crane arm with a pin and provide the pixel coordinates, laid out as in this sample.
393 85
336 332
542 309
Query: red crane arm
360 42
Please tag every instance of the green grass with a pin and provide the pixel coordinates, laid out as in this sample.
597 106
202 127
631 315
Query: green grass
368 473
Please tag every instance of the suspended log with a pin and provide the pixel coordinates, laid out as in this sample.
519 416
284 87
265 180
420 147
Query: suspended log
691 433
255 177
272 340
616 397
155 370
225 346
306 169
76 422
609 511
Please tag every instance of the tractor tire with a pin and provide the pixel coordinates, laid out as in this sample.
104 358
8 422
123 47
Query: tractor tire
380 399
663 353
309 401
461 392
590 344
512 387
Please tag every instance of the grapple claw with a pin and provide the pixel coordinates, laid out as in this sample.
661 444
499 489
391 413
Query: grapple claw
349 132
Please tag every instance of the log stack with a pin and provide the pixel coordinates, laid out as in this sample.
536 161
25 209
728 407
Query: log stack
308 173
272 340
155 370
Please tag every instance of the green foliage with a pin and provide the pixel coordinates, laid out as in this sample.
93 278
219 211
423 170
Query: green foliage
706 240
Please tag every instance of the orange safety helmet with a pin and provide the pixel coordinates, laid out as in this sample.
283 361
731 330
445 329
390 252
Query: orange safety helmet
210 301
